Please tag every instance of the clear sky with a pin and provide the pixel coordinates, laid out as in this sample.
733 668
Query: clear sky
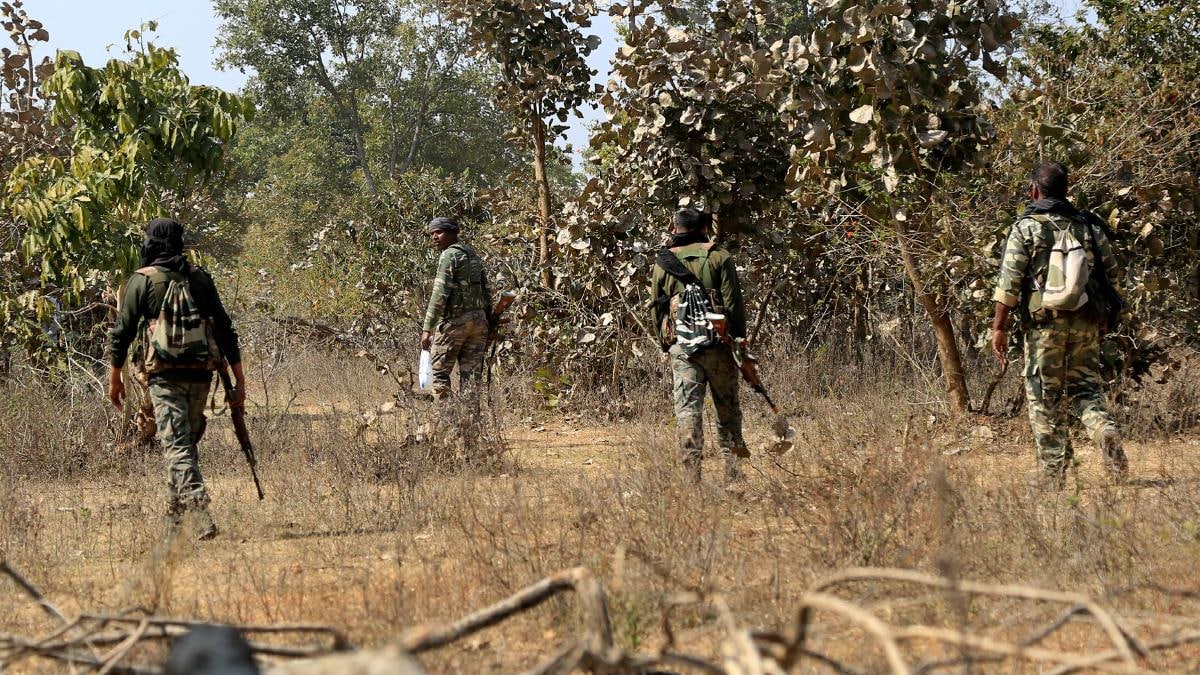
94 28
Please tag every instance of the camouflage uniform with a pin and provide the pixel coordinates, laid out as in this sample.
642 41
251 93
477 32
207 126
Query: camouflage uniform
712 368
179 415
1062 348
458 318
178 396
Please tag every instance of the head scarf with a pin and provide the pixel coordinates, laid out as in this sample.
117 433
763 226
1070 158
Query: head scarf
442 223
163 245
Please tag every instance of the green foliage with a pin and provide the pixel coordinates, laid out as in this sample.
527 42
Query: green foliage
141 140
691 120
541 52
1150 35
885 94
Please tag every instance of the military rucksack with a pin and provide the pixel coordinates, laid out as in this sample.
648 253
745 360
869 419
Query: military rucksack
1068 270
180 336
687 324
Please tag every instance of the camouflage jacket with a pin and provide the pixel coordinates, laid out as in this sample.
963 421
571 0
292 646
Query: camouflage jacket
716 271
1027 254
459 286
141 303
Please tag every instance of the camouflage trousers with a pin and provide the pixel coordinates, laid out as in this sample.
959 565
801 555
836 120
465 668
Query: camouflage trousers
460 341
1062 371
179 416
714 370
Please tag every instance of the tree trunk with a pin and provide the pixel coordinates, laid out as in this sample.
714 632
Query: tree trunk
943 329
360 146
543 188
415 142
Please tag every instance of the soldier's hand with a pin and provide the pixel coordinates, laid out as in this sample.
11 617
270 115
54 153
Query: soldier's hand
116 389
1000 345
426 340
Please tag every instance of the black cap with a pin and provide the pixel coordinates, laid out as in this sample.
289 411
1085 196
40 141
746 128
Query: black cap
442 223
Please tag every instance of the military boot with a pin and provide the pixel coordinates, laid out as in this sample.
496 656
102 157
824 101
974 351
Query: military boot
1109 444
172 522
733 469
202 524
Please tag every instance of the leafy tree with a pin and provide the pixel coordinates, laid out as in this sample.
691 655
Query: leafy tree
886 115
25 130
690 117
541 52
142 142
296 44
1150 35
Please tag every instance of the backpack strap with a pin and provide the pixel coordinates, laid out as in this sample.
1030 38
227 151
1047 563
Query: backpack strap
669 261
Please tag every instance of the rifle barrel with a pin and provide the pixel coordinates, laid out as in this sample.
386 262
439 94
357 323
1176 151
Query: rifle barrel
237 415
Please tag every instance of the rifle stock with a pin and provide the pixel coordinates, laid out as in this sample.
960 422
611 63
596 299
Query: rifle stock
495 321
746 363
237 414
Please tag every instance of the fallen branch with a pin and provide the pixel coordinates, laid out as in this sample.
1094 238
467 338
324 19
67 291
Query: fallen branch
1163 643
579 580
1102 616
33 592
743 651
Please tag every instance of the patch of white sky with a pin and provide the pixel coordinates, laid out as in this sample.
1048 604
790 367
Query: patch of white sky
96 29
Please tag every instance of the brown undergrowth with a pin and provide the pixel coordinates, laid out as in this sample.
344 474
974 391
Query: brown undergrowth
364 530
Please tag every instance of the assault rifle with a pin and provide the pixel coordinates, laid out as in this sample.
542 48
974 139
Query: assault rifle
497 319
747 363
237 413
495 322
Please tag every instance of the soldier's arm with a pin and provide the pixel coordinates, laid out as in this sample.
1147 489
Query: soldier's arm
731 296
487 292
223 329
1107 258
442 281
122 334
125 329
658 310
1012 268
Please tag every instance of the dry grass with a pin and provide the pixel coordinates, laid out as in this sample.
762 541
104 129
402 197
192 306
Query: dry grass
360 530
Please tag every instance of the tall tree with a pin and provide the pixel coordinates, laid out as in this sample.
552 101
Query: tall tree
886 114
541 51
292 43
141 139
690 115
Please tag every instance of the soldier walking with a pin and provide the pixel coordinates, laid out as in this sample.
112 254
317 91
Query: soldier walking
1059 271
186 333
456 324
689 263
